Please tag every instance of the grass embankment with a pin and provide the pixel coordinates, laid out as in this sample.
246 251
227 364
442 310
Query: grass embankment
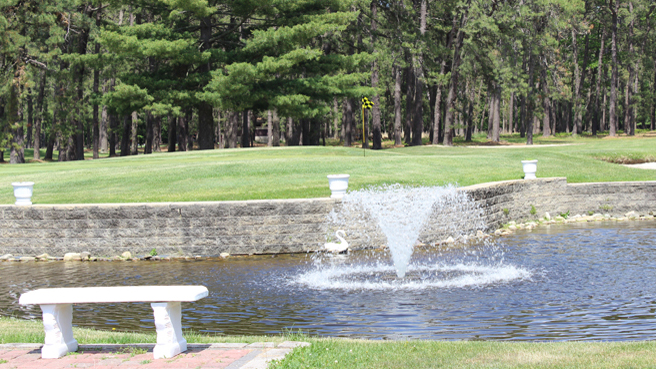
300 172
346 353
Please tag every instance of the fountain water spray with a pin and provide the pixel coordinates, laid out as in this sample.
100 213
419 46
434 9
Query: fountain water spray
402 214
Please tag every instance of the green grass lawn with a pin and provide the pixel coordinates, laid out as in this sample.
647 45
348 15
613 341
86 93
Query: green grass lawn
347 353
300 172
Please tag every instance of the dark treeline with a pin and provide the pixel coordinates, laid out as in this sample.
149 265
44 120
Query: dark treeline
115 76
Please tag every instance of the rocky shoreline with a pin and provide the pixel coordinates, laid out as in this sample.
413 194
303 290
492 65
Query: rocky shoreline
87 257
510 227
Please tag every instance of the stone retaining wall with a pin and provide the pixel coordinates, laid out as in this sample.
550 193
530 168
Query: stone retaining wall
514 200
281 226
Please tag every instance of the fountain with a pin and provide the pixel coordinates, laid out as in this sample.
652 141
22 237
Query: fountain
402 213
399 218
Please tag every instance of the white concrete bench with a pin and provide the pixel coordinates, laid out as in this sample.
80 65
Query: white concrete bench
57 307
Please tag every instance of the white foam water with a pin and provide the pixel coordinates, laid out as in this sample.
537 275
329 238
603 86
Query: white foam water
377 276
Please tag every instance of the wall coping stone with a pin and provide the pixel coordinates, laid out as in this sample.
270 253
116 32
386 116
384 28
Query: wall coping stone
177 203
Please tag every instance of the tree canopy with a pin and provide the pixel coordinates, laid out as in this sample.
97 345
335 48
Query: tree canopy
128 77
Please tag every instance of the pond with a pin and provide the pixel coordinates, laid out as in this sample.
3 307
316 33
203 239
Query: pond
593 281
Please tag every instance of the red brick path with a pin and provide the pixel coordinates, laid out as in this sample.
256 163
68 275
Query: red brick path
141 356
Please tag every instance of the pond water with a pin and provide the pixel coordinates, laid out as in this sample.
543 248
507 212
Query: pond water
571 282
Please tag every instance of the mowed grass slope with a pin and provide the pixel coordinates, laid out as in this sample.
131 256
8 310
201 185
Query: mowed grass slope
300 172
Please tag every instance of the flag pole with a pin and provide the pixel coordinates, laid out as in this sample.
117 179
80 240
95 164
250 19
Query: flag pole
363 148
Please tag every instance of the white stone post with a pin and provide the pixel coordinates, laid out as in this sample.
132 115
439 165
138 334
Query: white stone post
529 167
338 184
58 324
168 323
23 193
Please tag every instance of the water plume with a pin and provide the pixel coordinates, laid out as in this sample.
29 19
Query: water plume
404 213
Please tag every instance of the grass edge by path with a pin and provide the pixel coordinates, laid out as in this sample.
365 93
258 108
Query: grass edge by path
414 354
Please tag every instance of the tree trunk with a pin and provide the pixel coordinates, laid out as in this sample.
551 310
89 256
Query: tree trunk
634 110
653 102
529 108
39 117
157 134
612 115
325 130
418 61
15 117
67 152
504 118
134 142
269 128
455 67
96 85
511 112
113 133
397 106
546 104
496 112
335 118
125 138
83 40
245 129
222 129
552 109
627 104
348 122
189 114
183 135
96 123
437 111
30 118
628 98
232 127
377 136
522 116
103 128
50 146
148 147
418 108
490 110
305 132
276 129
577 84
205 126
409 96
205 111
172 133
297 138
313 131
596 124
470 117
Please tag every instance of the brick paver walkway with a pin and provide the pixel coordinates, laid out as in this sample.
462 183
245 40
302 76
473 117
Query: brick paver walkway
227 355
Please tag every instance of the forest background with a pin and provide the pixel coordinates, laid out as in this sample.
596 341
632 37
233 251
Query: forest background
124 77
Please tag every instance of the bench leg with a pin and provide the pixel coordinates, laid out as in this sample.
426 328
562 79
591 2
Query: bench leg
168 324
58 324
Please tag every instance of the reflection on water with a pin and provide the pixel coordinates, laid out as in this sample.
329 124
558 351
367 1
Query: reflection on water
572 282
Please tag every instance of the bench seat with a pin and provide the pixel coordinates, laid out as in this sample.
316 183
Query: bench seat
103 295
57 307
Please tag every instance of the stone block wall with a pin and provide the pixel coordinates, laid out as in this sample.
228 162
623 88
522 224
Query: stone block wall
514 200
284 226
204 228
